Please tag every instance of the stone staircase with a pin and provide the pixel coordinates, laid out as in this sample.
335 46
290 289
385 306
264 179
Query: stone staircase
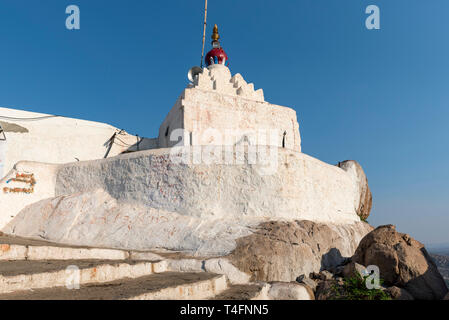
39 270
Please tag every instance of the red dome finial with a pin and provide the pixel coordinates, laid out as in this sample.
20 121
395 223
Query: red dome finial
217 55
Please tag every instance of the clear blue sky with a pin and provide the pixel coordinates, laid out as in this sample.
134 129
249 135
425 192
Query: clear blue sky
380 97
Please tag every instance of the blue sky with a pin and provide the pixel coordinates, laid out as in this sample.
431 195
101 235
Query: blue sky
380 97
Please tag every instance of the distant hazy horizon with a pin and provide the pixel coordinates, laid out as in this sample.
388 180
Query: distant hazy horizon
380 97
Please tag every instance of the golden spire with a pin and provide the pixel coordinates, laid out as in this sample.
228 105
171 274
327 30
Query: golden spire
215 35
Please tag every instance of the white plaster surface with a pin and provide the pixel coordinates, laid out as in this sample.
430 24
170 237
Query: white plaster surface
219 109
61 139
142 201
12 203
96 219
300 187
223 266
288 291
93 275
200 290
218 78
146 200
22 252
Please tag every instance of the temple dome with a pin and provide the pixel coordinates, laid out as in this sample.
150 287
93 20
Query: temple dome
217 55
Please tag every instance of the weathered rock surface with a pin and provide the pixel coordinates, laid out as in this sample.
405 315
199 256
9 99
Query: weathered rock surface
299 187
265 250
96 219
325 290
403 262
354 269
303 279
290 291
364 202
280 250
442 262
399 293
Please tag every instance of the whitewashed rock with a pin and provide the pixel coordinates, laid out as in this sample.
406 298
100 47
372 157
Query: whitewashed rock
364 201
96 219
289 291
223 266
147 256
264 250
301 187
185 265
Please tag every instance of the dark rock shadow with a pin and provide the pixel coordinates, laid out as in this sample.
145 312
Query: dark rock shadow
332 259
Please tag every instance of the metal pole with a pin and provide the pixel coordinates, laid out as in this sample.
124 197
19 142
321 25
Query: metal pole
204 34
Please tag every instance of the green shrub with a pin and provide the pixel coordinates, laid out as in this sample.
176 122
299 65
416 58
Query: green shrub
355 289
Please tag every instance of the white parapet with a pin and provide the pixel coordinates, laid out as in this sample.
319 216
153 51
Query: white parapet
46 138
288 184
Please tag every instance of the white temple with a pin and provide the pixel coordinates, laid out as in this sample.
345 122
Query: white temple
69 156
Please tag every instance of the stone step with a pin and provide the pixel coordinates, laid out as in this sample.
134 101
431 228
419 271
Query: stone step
18 252
163 286
15 248
25 275
244 292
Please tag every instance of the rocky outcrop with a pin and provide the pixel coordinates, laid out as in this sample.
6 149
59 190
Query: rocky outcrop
397 293
329 286
364 202
98 220
299 188
442 262
281 251
353 269
265 250
403 262
325 290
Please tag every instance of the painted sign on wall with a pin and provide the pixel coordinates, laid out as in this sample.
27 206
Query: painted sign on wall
2 157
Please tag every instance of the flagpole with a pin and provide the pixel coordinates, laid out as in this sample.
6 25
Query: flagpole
204 33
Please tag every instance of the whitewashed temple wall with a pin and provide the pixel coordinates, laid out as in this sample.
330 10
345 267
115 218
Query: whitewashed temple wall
210 118
60 140
218 109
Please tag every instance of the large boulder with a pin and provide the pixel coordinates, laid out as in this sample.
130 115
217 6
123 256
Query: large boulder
284 250
289 291
364 202
403 262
